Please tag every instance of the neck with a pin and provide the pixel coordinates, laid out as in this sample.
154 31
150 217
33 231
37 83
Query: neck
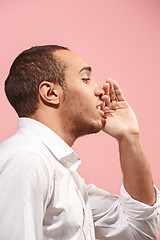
54 123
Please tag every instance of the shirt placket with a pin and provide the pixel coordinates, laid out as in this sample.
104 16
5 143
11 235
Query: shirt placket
87 226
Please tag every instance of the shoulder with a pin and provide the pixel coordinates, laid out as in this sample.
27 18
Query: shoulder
24 152
26 168
19 142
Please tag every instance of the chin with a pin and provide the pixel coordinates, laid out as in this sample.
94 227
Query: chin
89 129
96 127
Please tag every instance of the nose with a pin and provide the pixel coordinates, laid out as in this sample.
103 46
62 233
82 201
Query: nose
100 95
98 91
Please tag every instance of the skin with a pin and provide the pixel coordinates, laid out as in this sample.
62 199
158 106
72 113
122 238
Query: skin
74 113
121 123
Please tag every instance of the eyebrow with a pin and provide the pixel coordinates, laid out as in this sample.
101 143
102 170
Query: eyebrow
87 68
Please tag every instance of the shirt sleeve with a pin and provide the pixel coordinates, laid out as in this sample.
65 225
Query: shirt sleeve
23 190
121 217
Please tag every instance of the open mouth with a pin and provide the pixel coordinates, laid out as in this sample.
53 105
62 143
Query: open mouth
99 107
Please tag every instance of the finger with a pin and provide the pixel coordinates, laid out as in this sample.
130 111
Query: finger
118 92
105 99
106 96
106 88
109 79
112 92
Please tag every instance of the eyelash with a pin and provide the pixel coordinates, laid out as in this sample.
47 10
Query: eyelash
86 79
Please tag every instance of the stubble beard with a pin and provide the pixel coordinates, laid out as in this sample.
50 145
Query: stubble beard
79 127
82 129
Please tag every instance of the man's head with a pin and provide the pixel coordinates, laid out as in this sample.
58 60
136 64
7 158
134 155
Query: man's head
53 85
28 70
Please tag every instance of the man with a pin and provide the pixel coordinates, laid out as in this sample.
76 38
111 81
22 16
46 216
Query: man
41 194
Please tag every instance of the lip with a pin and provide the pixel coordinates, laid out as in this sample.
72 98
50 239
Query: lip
99 107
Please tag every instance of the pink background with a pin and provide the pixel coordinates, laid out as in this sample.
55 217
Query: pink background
120 39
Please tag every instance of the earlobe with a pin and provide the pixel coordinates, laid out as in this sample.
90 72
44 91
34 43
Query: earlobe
48 93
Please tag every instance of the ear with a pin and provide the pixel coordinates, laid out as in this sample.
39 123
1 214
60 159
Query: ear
49 92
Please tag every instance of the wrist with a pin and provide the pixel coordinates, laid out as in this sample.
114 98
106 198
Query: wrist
129 138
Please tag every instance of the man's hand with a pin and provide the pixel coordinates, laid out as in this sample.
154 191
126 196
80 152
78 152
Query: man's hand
120 118
121 123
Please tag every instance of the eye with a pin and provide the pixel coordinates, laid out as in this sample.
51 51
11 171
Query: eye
86 79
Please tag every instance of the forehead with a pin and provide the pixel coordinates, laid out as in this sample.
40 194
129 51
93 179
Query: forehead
74 61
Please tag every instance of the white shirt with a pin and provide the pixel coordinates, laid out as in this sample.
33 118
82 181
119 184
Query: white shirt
43 197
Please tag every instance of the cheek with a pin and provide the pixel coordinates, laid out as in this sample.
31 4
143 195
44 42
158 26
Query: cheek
80 100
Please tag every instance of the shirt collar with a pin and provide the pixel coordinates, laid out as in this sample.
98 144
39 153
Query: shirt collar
60 149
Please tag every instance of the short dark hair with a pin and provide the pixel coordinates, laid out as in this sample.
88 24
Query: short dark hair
28 70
